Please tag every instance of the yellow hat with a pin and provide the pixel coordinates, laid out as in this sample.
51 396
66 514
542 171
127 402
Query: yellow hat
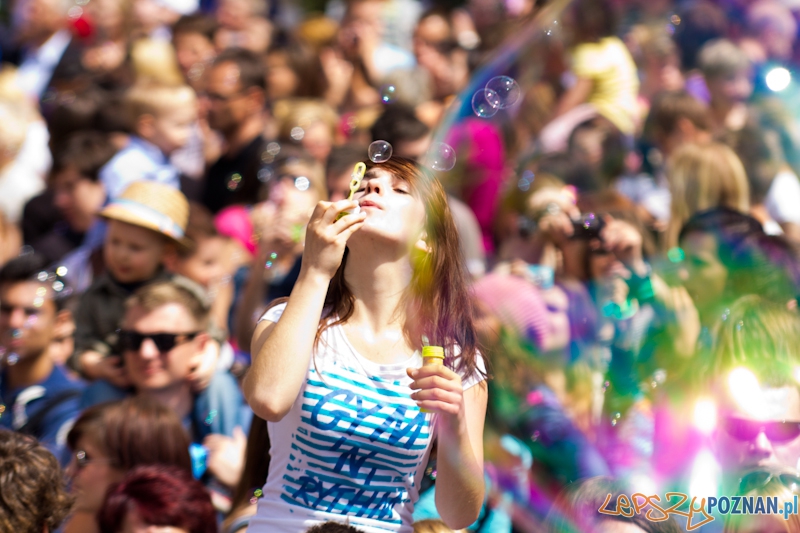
154 206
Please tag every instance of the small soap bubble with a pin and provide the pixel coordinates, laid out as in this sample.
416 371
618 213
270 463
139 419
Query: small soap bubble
588 220
75 12
297 133
258 493
273 256
38 301
264 174
380 151
12 359
302 183
234 181
485 103
253 501
676 255
210 418
62 271
273 148
440 157
388 94
31 321
41 291
507 90
42 276
16 333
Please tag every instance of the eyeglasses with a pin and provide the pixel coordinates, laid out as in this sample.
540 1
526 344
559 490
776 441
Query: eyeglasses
132 340
747 430
82 459
760 479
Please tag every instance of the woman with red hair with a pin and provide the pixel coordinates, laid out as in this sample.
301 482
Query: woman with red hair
162 496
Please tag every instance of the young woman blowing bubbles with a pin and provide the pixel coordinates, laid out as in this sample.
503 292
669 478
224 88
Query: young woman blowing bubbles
352 412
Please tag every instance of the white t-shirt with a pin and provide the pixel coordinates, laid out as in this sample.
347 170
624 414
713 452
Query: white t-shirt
353 447
783 198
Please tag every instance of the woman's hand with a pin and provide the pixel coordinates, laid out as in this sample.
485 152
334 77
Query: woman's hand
625 241
226 456
438 390
326 237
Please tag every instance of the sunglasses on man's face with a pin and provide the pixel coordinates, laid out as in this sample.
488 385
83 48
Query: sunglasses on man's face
747 430
130 340
761 478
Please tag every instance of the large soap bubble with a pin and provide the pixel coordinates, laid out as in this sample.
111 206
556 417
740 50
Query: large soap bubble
485 103
506 90
440 156
380 151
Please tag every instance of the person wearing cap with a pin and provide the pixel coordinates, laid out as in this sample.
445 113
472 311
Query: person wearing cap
145 225
37 397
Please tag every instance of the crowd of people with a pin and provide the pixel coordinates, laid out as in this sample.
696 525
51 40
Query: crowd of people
210 320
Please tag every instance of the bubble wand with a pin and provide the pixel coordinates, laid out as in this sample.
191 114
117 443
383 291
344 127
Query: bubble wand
355 182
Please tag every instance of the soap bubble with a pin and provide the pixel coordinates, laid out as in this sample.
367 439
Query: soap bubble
388 94
507 90
12 359
380 151
485 103
440 156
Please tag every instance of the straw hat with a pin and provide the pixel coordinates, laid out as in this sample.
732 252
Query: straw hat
154 206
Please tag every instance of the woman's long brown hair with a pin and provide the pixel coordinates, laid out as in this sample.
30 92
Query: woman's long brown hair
438 295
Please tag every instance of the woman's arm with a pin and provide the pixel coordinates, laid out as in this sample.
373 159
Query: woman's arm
281 351
459 481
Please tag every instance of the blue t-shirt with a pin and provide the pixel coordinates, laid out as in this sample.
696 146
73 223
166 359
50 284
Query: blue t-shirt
45 410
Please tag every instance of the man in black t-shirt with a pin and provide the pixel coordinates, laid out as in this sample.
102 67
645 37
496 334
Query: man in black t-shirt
235 99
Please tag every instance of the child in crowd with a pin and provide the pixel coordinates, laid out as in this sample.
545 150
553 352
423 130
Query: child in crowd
210 261
162 120
145 226
207 261
193 39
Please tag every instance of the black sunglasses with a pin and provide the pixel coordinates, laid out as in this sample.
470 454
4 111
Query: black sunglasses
132 340
747 430
760 479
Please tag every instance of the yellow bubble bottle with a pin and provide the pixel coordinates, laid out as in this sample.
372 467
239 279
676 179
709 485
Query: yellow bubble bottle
432 355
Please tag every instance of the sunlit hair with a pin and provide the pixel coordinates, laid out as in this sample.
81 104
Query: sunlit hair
178 290
757 334
135 431
156 99
161 496
438 293
704 177
774 488
721 58
33 496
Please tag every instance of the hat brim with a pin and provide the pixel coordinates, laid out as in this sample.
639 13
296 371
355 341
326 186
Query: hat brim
120 213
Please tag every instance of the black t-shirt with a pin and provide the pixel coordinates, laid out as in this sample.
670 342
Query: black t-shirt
234 180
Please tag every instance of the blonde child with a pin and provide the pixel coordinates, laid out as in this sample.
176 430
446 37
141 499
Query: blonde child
162 118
